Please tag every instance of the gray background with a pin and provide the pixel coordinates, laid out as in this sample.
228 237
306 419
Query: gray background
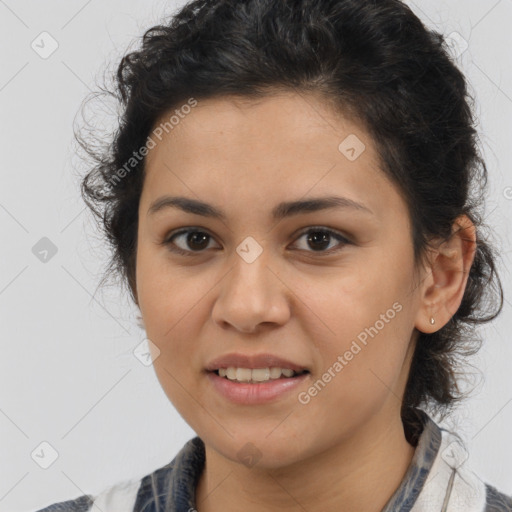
68 373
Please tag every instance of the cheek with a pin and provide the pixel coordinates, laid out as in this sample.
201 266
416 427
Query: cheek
163 296
170 311
351 299
167 306
170 305
366 326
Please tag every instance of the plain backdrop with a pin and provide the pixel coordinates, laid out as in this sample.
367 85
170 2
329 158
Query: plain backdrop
73 396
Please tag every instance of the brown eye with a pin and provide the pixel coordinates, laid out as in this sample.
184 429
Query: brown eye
318 239
193 241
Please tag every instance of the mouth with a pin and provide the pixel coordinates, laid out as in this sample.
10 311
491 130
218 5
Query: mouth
257 375
256 386
255 379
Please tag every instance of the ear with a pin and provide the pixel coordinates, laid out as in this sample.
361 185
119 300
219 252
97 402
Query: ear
140 320
132 284
446 276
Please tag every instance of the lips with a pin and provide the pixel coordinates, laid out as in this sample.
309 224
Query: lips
238 360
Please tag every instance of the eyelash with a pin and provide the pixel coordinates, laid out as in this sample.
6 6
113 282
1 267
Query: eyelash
314 229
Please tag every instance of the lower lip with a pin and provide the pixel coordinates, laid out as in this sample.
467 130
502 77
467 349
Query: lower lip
253 394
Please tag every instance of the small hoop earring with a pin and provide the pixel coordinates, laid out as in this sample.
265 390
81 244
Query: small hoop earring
432 321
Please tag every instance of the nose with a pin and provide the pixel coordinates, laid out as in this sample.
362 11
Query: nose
252 295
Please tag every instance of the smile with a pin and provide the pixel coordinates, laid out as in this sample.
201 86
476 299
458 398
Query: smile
252 391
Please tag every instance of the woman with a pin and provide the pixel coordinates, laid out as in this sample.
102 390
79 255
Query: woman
292 199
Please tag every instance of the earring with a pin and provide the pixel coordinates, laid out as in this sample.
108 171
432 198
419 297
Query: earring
432 321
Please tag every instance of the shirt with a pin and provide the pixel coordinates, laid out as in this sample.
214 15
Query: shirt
438 479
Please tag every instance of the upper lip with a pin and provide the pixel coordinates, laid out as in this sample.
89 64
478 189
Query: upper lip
252 361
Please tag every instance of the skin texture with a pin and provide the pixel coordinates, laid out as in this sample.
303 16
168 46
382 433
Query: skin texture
345 449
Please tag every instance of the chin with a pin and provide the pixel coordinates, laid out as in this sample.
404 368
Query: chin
259 451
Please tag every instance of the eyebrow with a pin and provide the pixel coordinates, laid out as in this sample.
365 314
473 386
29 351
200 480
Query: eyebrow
282 210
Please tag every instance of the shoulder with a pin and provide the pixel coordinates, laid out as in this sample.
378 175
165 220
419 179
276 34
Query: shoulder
119 497
465 489
81 504
444 480
496 501
124 496
169 485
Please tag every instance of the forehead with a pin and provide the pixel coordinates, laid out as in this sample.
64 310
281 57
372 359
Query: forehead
276 122
284 144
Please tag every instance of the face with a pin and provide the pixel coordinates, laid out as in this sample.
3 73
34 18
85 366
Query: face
330 289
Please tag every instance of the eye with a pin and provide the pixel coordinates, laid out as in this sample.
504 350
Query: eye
320 238
196 240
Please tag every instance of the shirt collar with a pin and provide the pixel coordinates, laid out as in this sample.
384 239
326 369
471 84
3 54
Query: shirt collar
187 466
429 441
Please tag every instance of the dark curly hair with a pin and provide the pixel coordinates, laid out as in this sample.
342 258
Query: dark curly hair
372 60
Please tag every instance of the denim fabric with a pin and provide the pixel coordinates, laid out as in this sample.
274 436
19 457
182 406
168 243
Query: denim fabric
496 501
81 504
412 484
430 484
172 488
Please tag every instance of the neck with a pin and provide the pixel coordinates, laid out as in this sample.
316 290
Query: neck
360 473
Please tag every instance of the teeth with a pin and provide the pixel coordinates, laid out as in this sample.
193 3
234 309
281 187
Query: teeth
275 373
256 374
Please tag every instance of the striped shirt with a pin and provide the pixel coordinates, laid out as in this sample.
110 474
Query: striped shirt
437 480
